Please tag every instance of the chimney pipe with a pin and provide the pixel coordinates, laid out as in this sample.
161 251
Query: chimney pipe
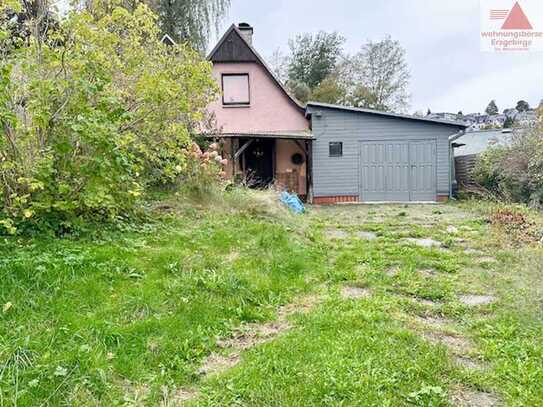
246 31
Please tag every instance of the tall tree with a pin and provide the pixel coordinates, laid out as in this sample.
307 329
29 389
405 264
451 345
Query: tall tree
313 57
189 21
25 18
330 90
523 106
508 123
300 91
492 108
378 76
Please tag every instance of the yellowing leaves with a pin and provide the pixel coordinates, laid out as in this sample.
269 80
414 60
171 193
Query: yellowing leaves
7 306
106 106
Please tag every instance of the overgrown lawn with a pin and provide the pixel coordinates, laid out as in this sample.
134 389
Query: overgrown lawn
129 317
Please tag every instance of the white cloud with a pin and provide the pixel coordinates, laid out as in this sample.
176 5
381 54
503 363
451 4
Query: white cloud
506 86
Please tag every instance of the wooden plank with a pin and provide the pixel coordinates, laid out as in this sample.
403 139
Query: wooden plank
243 148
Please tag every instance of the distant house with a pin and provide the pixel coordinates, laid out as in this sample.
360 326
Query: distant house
476 142
325 153
527 119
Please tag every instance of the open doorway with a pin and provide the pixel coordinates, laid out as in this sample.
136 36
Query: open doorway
258 162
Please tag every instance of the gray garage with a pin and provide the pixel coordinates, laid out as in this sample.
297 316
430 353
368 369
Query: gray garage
371 156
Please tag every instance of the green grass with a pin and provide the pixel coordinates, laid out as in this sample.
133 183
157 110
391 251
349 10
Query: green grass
128 317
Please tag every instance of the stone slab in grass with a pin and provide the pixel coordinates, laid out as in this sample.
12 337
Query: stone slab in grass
434 322
428 243
392 271
453 230
336 234
474 252
467 363
366 235
426 301
486 259
181 396
427 272
474 300
474 398
355 292
455 344
217 363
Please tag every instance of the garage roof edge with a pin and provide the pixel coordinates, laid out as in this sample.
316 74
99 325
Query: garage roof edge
381 113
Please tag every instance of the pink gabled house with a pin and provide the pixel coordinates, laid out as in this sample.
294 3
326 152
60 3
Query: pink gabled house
264 131
324 153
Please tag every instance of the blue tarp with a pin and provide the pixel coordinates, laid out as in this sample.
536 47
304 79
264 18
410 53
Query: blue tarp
292 201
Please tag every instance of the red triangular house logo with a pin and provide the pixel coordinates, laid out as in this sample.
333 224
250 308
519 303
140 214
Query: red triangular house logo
517 20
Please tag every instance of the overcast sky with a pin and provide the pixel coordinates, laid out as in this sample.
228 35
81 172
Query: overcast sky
441 37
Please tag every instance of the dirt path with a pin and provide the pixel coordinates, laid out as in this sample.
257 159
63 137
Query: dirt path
244 338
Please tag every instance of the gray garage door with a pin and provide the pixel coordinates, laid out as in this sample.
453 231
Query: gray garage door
398 171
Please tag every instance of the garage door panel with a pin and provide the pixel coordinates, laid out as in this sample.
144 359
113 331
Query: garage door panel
397 170
423 170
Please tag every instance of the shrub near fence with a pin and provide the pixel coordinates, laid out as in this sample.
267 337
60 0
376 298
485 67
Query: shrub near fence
514 172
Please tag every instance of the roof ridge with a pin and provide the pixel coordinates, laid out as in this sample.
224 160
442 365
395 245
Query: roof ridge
261 60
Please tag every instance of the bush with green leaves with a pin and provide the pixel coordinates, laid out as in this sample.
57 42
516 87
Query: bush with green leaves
92 116
514 172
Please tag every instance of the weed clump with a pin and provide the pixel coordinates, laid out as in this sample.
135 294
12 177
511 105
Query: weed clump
515 224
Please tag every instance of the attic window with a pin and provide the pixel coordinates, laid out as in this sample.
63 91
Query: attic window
235 89
335 149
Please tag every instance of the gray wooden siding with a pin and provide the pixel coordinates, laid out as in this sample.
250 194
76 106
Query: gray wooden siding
340 175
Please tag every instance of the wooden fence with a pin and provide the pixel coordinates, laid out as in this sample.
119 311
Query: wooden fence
464 166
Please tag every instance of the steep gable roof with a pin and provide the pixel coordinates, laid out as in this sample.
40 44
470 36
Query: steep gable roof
233 47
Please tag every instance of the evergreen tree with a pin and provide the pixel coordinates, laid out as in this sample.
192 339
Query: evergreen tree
492 108
313 57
